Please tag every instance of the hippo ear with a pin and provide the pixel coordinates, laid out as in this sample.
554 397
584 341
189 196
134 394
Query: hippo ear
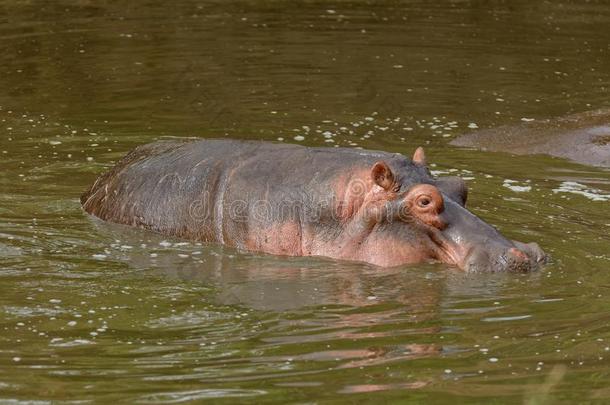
382 175
419 157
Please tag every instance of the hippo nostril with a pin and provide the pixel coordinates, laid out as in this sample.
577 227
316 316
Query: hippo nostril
518 254
533 251
517 258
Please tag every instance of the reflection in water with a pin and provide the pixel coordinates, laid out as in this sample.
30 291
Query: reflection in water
263 282
356 301
353 389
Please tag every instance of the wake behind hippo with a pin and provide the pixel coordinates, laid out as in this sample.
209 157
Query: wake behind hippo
375 207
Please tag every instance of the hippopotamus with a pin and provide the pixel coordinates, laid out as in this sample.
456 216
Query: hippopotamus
349 204
583 138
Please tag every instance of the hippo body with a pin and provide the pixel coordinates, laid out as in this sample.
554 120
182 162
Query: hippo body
583 138
370 206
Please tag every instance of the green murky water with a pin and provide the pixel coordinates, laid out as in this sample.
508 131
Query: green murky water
96 312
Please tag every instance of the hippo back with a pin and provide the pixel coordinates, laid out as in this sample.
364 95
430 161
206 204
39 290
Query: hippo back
208 190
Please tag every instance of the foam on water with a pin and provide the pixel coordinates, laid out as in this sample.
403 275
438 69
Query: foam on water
573 187
510 184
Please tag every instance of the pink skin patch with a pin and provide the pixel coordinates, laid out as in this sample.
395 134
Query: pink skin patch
278 239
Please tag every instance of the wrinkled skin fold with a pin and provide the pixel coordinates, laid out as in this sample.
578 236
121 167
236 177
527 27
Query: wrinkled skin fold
375 207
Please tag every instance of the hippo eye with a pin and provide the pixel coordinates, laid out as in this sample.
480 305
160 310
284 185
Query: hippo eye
424 202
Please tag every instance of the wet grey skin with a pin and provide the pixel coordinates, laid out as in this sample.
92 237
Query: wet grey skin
488 250
370 206
583 138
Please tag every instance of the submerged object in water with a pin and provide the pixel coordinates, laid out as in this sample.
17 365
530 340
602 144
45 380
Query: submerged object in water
583 138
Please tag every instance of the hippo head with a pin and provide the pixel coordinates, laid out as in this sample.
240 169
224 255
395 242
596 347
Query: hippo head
422 218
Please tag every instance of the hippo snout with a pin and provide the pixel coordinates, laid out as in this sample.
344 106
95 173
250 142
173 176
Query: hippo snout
520 257
533 252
